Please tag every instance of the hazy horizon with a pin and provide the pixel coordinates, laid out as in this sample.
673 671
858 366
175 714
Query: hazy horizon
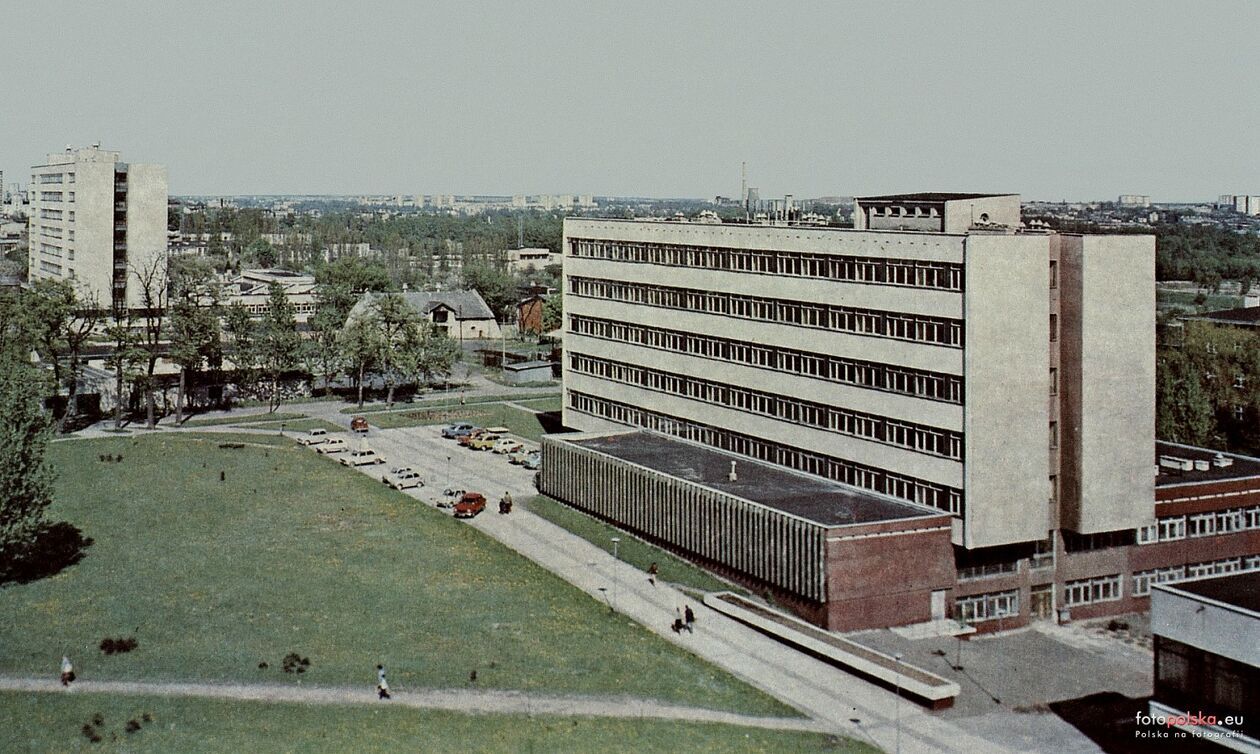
1070 101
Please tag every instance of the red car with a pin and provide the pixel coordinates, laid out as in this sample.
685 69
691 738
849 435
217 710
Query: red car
470 504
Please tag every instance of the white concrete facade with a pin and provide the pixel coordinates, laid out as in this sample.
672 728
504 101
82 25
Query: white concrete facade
94 220
916 364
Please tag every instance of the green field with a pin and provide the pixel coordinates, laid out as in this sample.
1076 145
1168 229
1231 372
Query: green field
253 417
521 423
630 549
1185 299
54 722
293 553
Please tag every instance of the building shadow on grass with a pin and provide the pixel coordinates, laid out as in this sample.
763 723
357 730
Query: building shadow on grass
57 547
551 422
1109 719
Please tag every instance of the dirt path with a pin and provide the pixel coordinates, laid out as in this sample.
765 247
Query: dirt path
469 701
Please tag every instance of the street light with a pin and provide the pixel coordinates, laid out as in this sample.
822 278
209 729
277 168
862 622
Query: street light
897 659
615 540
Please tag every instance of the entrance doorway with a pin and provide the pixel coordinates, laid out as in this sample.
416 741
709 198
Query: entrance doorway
938 605
1042 602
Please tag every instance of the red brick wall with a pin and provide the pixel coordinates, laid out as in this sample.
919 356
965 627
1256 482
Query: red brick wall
888 580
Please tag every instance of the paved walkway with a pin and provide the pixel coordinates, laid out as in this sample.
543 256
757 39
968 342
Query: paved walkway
471 701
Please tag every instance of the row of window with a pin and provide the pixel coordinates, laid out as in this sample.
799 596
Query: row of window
972 573
937 496
876 270
981 607
880 429
1089 591
866 374
54 178
1200 525
924 329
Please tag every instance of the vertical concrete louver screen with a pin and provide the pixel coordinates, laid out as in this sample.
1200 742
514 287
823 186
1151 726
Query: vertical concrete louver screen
766 544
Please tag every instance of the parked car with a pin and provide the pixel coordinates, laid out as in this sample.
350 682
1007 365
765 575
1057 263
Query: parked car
334 445
507 445
470 504
314 437
457 430
402 478
467 439
359 424
484 441
362 457
517 458
533 462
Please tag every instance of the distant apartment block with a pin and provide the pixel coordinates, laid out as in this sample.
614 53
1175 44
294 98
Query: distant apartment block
1240 203
936 354
94 219
1134 200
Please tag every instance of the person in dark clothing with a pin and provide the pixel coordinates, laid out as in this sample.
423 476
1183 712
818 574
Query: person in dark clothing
689 617
382 686
653 570
676 626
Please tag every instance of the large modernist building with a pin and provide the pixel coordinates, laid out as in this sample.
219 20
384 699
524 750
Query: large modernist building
937 354
94 219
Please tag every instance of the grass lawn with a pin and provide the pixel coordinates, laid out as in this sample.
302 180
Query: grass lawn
293 553
252 417
54 722
522 423
295 425
630 549
1215 301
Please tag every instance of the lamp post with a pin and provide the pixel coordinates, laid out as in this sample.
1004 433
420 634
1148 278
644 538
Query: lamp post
615 541
897 658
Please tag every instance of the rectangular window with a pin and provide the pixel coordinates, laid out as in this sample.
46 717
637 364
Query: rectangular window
1203 524
1148 534
1054 274
1054 434
1054 380
986 607
1172 528
1054 327
1089 591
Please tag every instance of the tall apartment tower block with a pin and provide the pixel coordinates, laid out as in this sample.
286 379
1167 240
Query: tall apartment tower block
936 353
94 219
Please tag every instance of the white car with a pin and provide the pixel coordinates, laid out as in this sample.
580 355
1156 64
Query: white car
315 437
507 445
364 457
335 445
401 479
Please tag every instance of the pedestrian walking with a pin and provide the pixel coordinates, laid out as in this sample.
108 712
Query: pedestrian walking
67 671
653 570
689 617
382 686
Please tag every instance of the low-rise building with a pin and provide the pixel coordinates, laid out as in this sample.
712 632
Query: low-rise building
463 314
529 260
1207 659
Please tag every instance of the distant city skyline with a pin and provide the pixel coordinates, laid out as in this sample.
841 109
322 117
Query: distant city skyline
1072 100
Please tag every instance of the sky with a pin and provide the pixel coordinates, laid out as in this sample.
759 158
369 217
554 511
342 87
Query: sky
1053 100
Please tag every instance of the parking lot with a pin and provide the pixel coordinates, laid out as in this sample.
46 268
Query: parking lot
444 464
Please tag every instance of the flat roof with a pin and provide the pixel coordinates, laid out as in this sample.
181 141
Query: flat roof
926 196
1243 467
813 498
1239 589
